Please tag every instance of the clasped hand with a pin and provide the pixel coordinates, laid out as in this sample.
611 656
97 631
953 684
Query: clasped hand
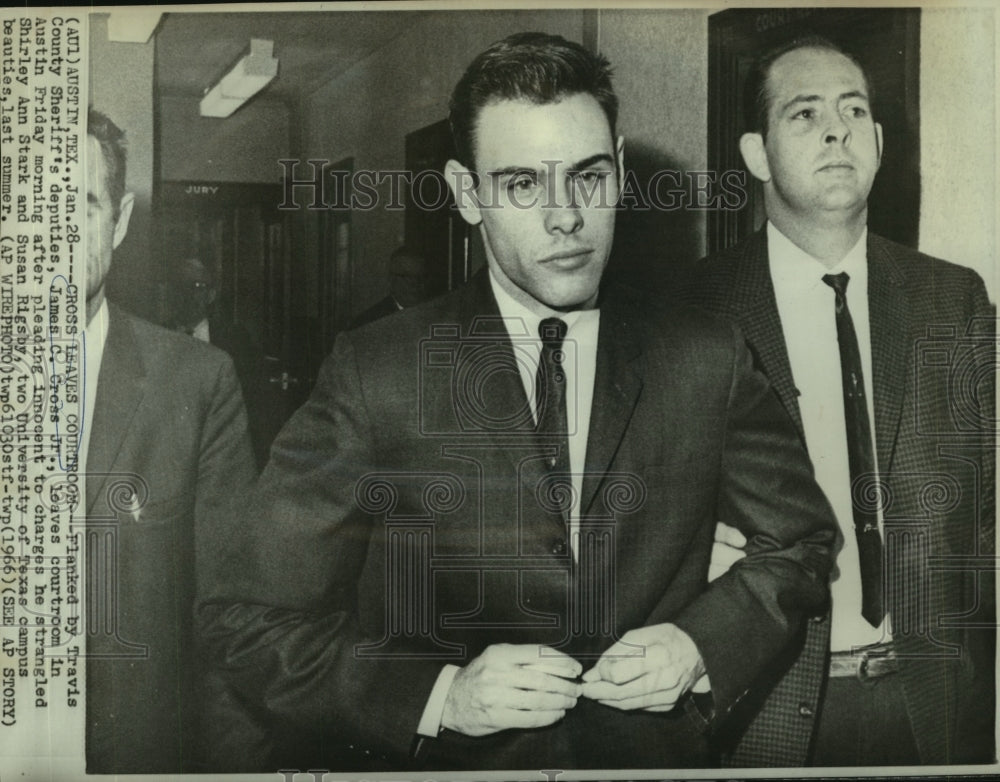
512 686
531 686
650 668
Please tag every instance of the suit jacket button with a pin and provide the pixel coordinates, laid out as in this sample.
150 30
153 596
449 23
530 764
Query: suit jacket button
558 547
818 618
805 710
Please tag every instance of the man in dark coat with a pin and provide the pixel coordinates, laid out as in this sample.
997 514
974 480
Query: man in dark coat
483 543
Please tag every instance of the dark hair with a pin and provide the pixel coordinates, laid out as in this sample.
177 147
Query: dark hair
757 101
536 67
112 141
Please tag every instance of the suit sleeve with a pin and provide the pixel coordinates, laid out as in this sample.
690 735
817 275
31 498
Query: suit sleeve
976 701
280 619
767 491
225 473
225 460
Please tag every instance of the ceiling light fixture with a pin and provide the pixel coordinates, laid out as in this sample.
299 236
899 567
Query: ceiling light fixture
249 76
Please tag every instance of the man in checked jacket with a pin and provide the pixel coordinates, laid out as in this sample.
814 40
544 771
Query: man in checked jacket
889 380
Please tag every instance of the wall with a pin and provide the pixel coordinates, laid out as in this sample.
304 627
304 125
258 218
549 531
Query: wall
367 112
121 86
958 131
661 76
244 147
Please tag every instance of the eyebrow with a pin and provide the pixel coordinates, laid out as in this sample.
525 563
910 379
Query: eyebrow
814 98
587 162
593 160
852 94
511 170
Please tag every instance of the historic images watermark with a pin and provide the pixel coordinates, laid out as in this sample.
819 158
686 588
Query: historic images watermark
312 185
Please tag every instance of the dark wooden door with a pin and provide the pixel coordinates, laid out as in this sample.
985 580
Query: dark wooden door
238 233
432 225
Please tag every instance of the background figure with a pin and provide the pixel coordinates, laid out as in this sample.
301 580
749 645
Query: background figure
194 288
885 360
165 450
409 284
194 294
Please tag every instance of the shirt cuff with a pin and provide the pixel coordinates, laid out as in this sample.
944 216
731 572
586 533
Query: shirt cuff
430 722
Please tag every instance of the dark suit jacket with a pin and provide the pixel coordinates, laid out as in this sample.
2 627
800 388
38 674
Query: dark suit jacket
378 310
248 360
933 372
415 461
169 448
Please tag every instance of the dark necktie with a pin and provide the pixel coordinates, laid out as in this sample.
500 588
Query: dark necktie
550 401
860 453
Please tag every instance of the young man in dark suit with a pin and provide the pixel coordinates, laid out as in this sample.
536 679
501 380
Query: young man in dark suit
884 359
483 542
165 449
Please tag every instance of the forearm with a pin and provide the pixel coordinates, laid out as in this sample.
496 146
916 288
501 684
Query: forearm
305 671
767 491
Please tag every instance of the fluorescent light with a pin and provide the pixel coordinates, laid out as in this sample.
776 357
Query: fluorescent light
248 77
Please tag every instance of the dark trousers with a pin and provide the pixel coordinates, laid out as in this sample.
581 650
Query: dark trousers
864 723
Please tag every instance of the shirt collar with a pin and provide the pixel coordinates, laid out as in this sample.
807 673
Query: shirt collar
793 267
97 329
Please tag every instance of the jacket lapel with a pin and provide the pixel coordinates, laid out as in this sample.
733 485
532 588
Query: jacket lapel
756 310
617 385
487 385
120 388
889 319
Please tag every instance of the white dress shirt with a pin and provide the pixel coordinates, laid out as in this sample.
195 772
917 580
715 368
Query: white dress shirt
201 331
95 336
580 365
806 308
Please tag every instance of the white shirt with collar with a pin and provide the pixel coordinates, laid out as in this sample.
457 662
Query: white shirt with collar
201 331
808 320
580 364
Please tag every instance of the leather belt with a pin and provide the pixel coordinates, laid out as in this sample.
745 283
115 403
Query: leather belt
866 662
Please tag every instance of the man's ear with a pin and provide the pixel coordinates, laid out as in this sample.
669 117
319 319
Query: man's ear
878 142
620 160
124 213
462 183
755 156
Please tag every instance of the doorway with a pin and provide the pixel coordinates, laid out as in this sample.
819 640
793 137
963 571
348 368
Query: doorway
236 234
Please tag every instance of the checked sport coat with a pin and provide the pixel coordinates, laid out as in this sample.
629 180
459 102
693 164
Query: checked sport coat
933 356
